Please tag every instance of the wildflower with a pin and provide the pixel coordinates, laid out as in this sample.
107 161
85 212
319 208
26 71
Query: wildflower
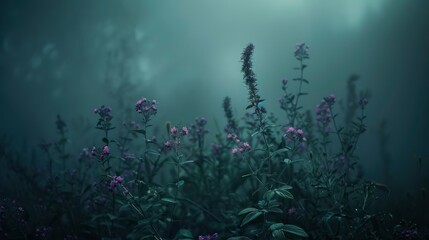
106 151
293 135
168 146
147 108
363 102
323 113
104 112
115 182
240 147
301 51
208 237
198 130
184 131
291 211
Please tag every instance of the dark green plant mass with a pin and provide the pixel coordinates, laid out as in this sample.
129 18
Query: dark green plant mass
293 176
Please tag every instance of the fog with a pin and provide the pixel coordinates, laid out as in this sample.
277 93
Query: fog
68 57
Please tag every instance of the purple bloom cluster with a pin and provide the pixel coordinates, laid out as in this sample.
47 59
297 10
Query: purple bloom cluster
198 129
208 237
294 135
104 112
115 182
363 102
323 113
146 107
175 135
240 146
301 51
105 151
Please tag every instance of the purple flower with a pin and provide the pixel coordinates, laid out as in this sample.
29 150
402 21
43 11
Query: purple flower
208 237
323 113
301 51
240 147
363 102
115 182
184 131
167 146
147 108
294 135
106 151
104 112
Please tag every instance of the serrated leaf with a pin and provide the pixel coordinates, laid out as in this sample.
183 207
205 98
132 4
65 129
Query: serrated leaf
247 210
294 230
250 217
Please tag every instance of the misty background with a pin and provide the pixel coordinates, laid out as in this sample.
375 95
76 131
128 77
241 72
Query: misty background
69 57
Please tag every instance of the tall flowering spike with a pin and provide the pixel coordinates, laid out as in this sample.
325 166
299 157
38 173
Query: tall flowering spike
231 126
249 75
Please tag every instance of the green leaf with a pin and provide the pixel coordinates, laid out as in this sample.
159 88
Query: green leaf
287 161
169 200
247 210
284 193
278 234
190 161
180 183
276 226
184 234
250 217
285 187
253 134
294 230
141 131
275 210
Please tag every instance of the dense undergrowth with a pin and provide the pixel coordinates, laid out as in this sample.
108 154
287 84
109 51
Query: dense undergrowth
264 177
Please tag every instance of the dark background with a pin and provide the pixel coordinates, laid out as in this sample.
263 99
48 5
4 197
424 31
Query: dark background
68 57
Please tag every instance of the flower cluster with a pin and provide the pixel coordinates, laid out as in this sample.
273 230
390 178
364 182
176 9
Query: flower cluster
105 151
323 113
208 237
198 129
294 135
104 112
240 146
175 134
301 51
363 102
146 107
115 182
